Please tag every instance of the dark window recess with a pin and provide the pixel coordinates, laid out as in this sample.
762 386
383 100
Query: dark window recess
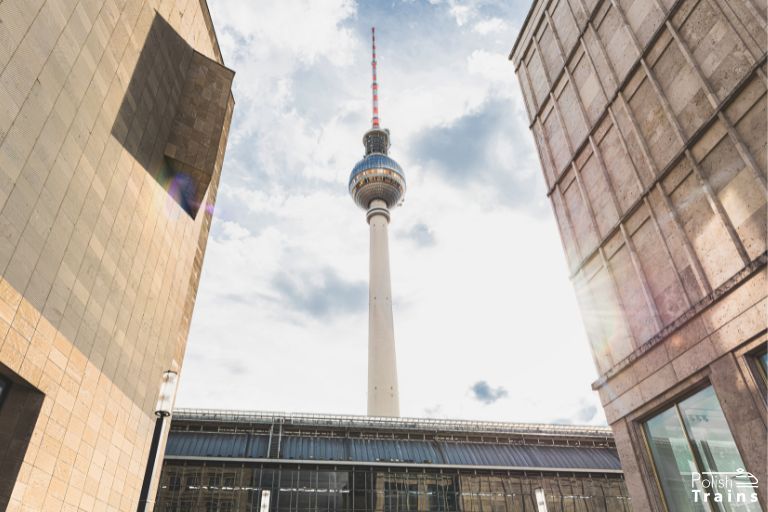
762 366
174 115
758 363
20 404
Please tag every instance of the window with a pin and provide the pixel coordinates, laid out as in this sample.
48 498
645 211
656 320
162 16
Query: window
694 456
761 363
174 482
229 480
193 481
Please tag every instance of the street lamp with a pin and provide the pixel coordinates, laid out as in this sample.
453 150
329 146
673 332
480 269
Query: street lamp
163 409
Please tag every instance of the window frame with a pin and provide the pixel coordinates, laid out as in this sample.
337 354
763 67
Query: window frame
674 403
759 371
752 371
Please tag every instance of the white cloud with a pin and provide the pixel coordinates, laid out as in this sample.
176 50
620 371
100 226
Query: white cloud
461 13
489 26
493 67
307 29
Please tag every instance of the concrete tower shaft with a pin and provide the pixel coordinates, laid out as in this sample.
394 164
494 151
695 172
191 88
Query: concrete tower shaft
383 394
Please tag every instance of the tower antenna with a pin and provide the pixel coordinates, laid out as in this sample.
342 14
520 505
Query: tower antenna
375 84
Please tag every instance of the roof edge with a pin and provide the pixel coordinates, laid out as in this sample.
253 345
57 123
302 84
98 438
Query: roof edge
380 421
522 28
211 30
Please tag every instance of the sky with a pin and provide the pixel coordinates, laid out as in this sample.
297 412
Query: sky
486 321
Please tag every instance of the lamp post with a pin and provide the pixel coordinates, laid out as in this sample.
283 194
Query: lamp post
156 449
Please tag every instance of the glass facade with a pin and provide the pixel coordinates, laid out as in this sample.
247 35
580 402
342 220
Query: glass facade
698 466
188 486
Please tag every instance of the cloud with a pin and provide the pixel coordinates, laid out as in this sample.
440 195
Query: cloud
320 293
484 393
483 149
489 25
462 13
586 414
314 33
421 234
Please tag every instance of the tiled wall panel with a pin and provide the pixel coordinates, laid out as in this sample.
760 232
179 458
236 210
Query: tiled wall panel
588 85
597 189
621 171
615 38
571 112
652 121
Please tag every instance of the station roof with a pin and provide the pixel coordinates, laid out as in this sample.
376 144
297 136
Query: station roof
361 440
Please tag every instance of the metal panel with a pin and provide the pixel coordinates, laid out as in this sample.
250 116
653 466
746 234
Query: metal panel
206 444
258 446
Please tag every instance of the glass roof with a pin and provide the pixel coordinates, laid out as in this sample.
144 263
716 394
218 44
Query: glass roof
426 451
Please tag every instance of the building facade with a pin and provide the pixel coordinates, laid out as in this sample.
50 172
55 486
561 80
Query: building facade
650 121
114 117
228 461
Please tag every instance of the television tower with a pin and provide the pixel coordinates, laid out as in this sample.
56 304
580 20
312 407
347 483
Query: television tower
377 184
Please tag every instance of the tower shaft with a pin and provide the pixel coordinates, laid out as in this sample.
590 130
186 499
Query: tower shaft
383 394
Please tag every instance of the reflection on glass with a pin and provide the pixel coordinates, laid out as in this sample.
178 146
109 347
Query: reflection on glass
696 458
364 490
673 460
717 453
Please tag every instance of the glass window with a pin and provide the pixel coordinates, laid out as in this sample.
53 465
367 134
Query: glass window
174 482
696 458
229 480
762 368
193 480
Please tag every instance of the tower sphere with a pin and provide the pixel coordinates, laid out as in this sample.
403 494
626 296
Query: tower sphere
377 176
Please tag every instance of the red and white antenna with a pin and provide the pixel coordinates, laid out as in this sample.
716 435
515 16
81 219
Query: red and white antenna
375 85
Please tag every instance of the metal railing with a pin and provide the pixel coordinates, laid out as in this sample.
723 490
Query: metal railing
353 421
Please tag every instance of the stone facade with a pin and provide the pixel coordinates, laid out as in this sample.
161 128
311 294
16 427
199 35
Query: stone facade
102 233
650 121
